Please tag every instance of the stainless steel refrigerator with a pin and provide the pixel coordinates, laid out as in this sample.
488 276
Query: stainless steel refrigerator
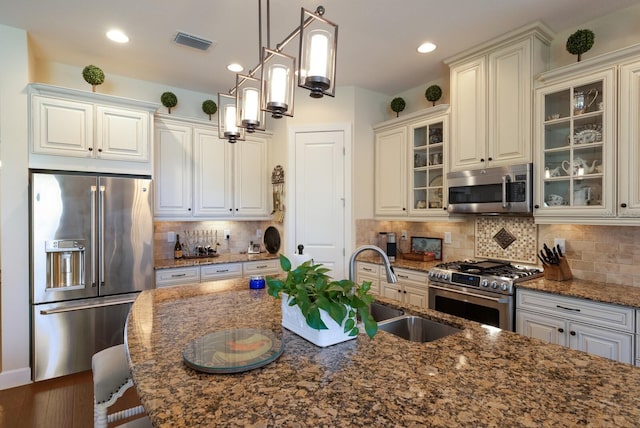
91 255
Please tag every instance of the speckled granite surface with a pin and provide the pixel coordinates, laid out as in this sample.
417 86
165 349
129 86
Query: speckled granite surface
222 258
479 377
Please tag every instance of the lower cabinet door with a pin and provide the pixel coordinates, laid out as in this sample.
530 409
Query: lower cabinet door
416 296
610 344
391 291
543 327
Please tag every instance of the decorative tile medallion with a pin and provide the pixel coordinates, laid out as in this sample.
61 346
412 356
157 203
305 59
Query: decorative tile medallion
506 238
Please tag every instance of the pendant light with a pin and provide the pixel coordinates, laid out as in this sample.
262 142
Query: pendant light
248 113
278 83
227 116
317 57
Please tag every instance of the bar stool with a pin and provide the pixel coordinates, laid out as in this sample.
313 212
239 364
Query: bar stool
111 378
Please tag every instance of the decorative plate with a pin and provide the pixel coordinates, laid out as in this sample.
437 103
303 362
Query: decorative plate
436 181
272 240
233 351
588 134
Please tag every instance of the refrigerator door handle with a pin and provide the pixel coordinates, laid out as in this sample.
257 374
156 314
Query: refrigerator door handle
84 306
102 235
93 236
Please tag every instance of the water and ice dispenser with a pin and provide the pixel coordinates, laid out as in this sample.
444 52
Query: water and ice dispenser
65 263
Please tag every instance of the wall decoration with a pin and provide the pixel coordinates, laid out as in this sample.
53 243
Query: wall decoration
93 75
397 105
169 100
209 107
580 42
433 93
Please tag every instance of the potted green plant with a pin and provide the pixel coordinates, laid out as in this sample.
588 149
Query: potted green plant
397 105
169 100
580 42
318 308
433 93
209 107
93 75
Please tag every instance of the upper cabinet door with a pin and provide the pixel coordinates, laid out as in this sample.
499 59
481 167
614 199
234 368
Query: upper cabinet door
509 99
251 178
629 141
62 127
391 172
173 169
213 174
469 115
122 134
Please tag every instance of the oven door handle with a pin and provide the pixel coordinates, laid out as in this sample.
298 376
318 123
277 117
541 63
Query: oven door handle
505 179
479 296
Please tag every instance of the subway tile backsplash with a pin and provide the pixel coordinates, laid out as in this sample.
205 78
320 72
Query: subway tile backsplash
608 254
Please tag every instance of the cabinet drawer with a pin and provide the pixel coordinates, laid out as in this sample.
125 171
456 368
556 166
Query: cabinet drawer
570 308
220 271
262 267
411 275
368 269
174 276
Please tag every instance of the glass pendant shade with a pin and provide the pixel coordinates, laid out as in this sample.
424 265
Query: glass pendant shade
278 83
317 59
249 115
227 116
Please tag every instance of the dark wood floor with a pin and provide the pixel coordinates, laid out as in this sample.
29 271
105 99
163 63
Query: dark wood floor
64 402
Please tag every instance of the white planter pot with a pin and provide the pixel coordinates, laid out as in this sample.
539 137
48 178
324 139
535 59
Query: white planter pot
292 319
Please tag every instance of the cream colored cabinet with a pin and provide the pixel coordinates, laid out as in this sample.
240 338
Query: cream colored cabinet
410 159
411 288
177 276
261 267
369 272
586 141
491 99
596 328
218 271
200 175
82 130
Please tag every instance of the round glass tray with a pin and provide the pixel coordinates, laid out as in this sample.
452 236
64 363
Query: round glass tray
233 351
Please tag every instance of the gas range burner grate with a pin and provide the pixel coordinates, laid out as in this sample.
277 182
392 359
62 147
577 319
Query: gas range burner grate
492 268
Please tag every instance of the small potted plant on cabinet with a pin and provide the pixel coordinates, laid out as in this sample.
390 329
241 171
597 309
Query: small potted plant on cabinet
319 309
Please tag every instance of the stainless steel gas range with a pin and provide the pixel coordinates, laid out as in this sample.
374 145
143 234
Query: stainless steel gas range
479 290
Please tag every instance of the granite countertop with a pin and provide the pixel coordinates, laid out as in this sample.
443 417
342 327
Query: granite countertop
222 258
478 377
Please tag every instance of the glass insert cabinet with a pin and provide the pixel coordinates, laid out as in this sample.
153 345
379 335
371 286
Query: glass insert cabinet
426 180
575 146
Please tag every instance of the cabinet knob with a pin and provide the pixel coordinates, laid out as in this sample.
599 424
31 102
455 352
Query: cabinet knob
236 209
100 150
572 333
444 208
490 159
536 206
481 159
623 205
188 209
404 209
230 209
561 330
90 149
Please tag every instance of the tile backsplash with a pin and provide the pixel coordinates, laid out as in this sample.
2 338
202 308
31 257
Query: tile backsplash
608 254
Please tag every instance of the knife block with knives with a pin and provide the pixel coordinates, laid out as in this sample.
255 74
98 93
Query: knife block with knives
555 265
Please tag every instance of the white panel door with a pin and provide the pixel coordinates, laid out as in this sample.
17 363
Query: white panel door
122 134
319 198
213 175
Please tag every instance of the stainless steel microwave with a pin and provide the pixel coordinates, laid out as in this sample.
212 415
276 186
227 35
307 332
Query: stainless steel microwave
500 190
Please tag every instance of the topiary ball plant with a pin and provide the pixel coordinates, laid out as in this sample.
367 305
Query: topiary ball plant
209 107
93 75
580 42
433 93
169 100
397 105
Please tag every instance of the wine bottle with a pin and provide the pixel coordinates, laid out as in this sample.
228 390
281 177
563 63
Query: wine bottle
177 250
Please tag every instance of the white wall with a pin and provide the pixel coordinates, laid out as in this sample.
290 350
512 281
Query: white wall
14 208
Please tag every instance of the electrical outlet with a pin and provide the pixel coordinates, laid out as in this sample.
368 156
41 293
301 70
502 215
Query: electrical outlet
447 237
227 234
259 233
560 242
403 235
171 237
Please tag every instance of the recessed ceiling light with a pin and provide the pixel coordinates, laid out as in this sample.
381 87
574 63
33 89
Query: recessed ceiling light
117 36
235 67
426 47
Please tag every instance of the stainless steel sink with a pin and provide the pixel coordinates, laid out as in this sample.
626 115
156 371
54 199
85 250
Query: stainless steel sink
417 329
381 312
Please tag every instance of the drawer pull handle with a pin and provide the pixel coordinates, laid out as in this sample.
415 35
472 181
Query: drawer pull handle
222 270
178 275
568 309
403 276
261 267
368 269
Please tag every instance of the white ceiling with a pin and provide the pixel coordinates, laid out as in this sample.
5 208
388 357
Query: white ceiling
377 39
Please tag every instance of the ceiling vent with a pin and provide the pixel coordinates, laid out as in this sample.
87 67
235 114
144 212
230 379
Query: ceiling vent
192 41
